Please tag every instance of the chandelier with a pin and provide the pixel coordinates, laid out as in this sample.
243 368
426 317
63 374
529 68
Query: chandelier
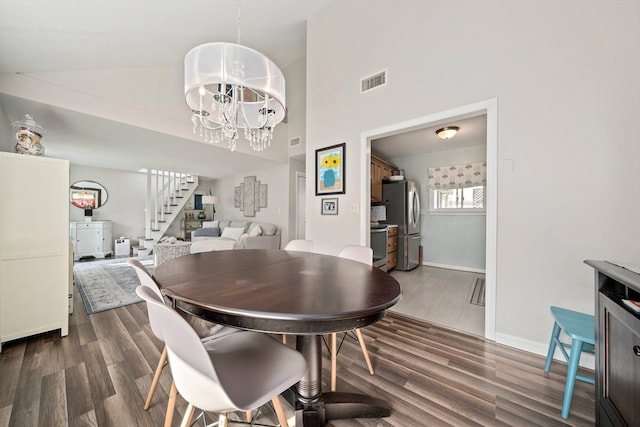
229 87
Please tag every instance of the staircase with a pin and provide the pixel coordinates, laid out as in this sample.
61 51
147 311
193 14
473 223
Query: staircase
167 193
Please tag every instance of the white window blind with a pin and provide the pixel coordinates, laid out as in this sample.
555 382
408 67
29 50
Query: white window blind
458 176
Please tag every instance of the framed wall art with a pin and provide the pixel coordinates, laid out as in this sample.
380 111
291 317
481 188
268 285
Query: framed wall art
330 170
329 206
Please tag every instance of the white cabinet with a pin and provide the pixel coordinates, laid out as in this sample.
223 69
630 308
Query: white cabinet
34 245
91 239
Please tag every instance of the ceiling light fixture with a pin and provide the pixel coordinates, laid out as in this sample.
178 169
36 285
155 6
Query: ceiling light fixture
447 132
228 86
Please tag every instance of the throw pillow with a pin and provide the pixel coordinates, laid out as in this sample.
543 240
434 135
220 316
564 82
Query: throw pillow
207 231
210 224
269 229
232 233
255 231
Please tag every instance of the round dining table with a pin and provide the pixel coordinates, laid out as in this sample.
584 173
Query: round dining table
287 292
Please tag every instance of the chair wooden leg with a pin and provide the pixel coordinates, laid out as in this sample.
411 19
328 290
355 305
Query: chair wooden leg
188 414
284 339
277 406
171 405
334 349
249 416
156 378
365 353
222 420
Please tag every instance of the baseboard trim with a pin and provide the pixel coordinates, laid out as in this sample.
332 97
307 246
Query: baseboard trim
454 267
586 360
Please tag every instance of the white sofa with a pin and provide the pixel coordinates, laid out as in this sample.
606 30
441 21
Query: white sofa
243 234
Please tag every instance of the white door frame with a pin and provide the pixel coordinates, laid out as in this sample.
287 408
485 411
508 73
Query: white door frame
300 203
490 108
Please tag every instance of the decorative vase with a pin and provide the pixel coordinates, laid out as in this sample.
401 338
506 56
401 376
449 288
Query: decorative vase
202 215
27 136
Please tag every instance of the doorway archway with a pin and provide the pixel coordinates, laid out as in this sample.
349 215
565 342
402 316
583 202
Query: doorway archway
490 109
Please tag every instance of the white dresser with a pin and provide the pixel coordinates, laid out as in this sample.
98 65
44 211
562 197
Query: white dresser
91 239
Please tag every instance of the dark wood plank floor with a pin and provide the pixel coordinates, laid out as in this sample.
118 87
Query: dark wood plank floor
99 376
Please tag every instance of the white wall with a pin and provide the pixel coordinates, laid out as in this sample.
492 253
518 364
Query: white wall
449 241
125 206
277 210
6 133
566 76
296 100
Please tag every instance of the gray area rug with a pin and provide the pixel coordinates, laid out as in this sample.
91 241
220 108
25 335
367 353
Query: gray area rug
477 297
108 284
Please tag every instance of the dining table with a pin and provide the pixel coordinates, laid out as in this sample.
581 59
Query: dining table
295 293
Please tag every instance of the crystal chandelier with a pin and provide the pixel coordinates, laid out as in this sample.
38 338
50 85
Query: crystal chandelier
228 87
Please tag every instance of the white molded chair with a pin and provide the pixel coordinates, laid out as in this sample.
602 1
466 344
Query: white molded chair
302 246
147 281
364 255
236 372
299 245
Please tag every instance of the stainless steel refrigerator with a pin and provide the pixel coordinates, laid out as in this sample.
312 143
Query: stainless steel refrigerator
402 199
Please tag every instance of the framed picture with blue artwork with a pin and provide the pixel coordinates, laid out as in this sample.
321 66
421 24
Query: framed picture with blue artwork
330 177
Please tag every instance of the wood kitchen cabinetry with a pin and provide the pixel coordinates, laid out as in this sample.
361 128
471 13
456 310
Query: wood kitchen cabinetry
392 247
380 170
617 346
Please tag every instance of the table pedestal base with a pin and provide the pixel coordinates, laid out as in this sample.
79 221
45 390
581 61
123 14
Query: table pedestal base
336 405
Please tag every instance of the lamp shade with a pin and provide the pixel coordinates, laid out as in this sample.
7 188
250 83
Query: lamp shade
209 200
447 132
211 67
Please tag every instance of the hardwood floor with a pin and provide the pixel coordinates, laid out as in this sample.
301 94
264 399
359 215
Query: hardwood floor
432 376
441 297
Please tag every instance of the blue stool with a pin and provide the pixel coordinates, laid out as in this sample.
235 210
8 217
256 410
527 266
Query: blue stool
580 327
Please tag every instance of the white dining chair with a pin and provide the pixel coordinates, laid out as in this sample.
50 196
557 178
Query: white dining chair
364 255
236 372
299 245
147 281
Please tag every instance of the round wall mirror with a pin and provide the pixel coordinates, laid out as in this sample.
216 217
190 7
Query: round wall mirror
87 195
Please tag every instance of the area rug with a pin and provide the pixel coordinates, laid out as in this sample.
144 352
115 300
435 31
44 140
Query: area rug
477 297
108 284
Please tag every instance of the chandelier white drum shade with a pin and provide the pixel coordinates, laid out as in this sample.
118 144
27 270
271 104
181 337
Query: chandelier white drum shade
228 87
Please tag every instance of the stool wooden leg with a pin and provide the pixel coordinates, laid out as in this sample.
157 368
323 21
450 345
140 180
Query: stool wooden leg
277 406
572 371
171 405
365 353
186 421
552 346
156 378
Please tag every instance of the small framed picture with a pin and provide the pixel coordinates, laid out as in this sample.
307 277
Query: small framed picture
330 206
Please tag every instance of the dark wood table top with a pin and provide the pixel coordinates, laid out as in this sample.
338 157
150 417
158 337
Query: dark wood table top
278 291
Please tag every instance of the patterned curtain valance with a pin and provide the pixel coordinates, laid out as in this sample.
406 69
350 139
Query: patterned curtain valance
458 176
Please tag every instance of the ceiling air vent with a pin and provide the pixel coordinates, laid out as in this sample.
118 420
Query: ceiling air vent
294 142
375 80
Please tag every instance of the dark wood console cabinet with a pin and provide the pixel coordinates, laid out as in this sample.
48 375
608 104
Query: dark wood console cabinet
617 345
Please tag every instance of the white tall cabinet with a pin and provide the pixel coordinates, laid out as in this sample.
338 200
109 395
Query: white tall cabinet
93 238
34 245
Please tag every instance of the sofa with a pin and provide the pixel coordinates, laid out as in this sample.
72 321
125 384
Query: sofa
239 234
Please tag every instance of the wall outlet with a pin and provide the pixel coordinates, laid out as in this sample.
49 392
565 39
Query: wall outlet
354 207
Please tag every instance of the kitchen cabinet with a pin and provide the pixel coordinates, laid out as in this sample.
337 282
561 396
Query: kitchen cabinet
380 170
392 247
92 238
617 345
34 246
